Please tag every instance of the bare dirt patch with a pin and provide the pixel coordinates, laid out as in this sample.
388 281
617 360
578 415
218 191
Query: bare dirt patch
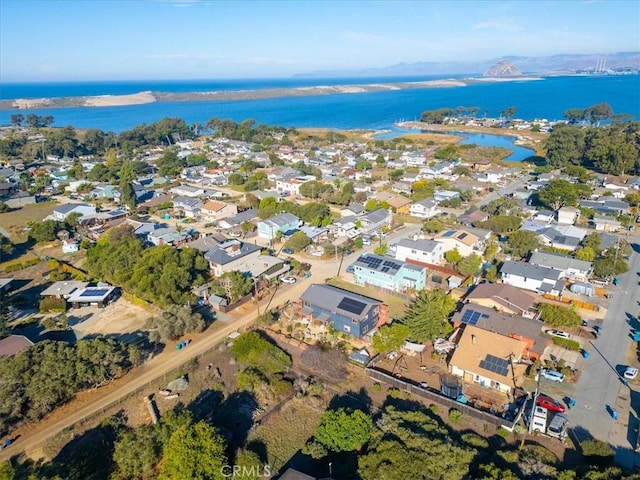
121 316
15 220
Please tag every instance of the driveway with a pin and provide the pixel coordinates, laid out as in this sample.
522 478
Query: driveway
600 386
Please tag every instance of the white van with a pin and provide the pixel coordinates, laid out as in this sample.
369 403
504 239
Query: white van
558 426
366 240
539 420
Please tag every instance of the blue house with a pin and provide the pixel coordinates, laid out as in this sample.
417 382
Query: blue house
283 222
388 273
345 311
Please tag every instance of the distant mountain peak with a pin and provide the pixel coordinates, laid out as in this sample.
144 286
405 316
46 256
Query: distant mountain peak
503 69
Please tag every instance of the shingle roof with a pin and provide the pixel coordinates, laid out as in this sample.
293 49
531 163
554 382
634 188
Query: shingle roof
230 251
528 270
503 294
328 298
506 324
420 244
558 261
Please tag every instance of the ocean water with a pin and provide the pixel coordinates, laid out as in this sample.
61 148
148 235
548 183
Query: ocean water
547 98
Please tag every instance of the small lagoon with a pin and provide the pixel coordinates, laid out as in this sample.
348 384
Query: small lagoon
481 139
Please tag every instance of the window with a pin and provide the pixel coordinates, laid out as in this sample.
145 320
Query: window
413 251
354 320
347 328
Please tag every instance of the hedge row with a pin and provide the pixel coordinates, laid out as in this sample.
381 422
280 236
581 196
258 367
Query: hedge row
566 343
19 266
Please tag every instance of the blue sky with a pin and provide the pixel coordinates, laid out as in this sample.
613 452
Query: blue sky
51 40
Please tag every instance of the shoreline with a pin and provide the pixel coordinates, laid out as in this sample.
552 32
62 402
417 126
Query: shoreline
146 97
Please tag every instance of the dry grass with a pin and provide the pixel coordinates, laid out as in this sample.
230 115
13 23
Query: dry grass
397 305
15 220
287 431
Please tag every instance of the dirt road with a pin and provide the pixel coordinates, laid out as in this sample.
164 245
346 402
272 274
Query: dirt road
32 439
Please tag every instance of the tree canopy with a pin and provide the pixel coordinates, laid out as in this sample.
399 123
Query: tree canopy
390 337
343 430
49 373
521 242
428 317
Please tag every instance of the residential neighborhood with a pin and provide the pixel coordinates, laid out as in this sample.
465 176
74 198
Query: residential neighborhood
498 274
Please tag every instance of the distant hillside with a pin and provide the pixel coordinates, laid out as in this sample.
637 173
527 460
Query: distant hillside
503 69
565 63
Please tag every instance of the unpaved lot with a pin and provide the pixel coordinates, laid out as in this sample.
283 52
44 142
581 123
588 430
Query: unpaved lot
121 316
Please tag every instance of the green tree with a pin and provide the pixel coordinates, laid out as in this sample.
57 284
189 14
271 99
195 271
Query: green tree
411 444
521 242
127 196
196 452
558 193
585 253
254 350
469 265
344 430
249 466
6 246
565 146
298 241
176 321
592 241
137 452
433 225
428 317
235 285
390 337
609 266
44 231
558 316
381 249
502 224
453 256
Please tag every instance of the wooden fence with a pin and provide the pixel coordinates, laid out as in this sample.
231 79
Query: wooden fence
436 397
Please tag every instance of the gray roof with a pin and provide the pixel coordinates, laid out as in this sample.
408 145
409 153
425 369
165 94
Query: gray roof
427 202
203 244
503 294
528 270
328 298
64 288
356 208
241 217
506 324
282 219
377 215
558 261
69 207
386 265
229 251
420 244
188 201
556 237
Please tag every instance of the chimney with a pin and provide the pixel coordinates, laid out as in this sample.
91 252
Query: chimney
473 339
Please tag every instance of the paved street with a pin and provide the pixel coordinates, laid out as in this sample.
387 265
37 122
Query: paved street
600 384
32 439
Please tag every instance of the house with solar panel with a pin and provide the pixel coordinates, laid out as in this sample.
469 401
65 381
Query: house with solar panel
508 324
463 240
99 296
489 360
345 311
388 273
420 250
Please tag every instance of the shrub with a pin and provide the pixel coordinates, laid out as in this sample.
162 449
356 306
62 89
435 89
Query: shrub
598 450
503 432
377 387
53 304
558 316
394 392
566 343
475 440
455 416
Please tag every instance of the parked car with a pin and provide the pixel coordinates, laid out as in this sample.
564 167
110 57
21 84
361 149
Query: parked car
288 251
235 234
552 375
288 280
317 253
347 251
557 333
350 269
549 403
631 373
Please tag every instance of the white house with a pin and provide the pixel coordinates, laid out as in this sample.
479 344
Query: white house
187 191
427 251
425 208
532 277
571 268
568 215
61 212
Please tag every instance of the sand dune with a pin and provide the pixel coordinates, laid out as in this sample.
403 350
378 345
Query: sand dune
120 100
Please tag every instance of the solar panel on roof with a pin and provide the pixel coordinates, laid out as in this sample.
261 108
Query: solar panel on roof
462 236
352 306
471 317
95 293
385 269
495 365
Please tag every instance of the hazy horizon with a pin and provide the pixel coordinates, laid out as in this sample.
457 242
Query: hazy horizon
76 40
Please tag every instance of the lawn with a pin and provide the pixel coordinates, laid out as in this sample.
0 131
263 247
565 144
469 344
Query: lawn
286 432
15 220
397 305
